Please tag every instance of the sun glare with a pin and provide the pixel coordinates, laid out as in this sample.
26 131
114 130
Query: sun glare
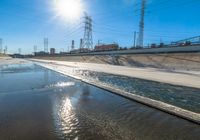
69 9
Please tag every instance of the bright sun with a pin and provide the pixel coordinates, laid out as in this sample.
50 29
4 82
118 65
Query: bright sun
69 9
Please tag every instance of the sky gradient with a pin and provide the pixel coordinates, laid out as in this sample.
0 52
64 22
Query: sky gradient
24 23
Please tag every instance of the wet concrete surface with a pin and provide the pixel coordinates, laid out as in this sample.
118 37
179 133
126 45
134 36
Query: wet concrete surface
36 103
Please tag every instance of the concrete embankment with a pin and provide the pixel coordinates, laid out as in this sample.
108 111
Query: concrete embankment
185 114
176 78
171 62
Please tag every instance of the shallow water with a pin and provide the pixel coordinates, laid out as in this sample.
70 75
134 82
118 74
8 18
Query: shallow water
183 97
36 103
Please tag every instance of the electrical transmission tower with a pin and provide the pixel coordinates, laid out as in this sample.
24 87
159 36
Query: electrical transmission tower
87 39
35 49
73 45
5 49
19 51
1 45
46 45
141 25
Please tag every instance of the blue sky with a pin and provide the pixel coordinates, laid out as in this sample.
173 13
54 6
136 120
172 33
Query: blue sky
24 23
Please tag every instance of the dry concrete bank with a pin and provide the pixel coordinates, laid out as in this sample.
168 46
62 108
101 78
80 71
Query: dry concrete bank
181 78
67 70
170 62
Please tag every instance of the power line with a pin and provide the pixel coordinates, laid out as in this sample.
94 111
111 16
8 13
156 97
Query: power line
46 45
75 32
174 5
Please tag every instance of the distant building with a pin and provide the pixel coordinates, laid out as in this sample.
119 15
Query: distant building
82 50
106 47
52 51
41 53
17 56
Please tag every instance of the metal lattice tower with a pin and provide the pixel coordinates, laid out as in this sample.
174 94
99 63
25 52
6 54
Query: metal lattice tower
141 25
1 45
35 49
19 51
73 45
5 49
46 45
88 39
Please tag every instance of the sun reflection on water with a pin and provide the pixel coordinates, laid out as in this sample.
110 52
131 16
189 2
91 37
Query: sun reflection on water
64 84
66 120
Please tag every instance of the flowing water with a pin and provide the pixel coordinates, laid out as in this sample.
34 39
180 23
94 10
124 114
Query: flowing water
183 97
36 103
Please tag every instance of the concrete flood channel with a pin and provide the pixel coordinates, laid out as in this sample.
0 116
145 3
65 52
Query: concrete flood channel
37 103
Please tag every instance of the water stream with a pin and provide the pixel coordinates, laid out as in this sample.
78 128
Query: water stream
37 103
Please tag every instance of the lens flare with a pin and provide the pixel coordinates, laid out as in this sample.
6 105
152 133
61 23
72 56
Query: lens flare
69 9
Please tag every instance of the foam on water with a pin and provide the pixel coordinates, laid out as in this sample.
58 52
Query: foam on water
61 84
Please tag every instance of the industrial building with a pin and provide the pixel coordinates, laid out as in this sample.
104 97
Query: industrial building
108 47
52 51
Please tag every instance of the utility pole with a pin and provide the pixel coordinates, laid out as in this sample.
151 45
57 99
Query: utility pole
81 45
46 45
87 38
135 35
1 44
141 25
99 42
